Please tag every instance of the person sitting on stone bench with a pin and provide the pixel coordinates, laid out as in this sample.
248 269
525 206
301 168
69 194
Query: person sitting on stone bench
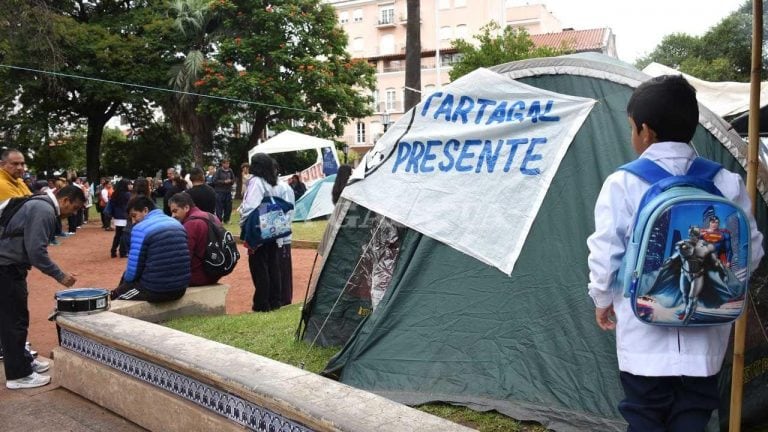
183 209
158 266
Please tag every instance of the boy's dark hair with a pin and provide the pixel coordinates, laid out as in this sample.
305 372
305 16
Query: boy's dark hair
667 104
181 199
196 174
139 203
74 193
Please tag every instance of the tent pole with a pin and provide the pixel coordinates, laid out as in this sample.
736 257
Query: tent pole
740 332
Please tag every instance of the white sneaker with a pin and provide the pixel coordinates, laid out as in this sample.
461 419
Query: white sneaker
31 381
40 366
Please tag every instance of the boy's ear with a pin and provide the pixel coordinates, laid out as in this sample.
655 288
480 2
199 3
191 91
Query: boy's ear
649 135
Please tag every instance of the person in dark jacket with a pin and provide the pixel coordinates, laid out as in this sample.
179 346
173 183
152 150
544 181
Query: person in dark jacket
24 245
158 262
299 188
222 183
118 211
203 195
183 209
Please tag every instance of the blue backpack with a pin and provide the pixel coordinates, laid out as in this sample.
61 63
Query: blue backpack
687 261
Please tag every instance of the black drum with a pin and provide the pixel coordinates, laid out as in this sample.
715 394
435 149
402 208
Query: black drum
81 301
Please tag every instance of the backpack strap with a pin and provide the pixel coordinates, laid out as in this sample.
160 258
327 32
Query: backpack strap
704 168
9 213
646 169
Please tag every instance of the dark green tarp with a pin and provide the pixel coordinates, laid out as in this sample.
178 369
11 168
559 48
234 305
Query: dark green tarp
453 329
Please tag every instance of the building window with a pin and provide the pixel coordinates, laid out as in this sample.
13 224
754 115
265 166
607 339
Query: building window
387 44
394 65
357 15
375 96
343 17
445 33
391 100
387 14
357 44
444 4
461 31
459 3
360 136
449 59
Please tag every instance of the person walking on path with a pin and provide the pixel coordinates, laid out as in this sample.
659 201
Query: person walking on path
104 195
118 206
23 244
223 181
669 374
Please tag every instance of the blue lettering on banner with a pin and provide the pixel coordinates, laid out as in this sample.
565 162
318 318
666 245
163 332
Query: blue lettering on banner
466 104
447 166
487 111
471 155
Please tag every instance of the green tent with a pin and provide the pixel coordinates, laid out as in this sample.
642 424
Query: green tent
451 328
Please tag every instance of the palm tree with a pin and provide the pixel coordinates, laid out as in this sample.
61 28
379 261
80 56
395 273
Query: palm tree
197 22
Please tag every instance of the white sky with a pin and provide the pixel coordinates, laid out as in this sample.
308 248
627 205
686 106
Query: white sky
640 25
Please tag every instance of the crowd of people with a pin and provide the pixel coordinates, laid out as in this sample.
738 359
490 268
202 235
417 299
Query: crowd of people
161 228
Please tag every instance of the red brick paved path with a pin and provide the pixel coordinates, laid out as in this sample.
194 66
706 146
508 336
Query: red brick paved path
87 255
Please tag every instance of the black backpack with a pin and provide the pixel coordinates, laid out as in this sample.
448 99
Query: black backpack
9 208
221 252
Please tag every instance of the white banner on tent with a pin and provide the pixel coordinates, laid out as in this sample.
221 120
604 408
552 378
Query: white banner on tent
473 167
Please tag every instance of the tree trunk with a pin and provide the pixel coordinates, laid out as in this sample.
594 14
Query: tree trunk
257 132
93 148
97 119
413 55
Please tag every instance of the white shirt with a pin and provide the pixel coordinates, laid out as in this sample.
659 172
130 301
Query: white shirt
644 349
257 189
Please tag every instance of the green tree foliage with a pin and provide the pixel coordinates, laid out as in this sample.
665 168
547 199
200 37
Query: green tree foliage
723 53
495 48
153 148
107 39
197 24
290 57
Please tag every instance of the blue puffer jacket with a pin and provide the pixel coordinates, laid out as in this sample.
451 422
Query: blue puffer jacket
159 256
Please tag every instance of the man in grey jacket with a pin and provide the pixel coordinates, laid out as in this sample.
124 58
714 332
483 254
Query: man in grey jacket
222 183
23 244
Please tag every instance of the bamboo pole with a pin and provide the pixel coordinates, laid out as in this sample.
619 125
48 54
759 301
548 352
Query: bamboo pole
740 332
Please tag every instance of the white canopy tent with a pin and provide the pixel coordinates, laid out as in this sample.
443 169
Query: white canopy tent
294 141
726 99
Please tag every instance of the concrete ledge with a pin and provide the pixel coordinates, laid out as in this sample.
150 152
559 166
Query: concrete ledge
232 381
202 300
132 399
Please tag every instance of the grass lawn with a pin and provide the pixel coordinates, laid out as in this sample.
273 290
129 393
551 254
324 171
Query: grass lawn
306 231
272 335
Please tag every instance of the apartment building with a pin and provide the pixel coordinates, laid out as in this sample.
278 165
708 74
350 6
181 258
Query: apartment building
377 29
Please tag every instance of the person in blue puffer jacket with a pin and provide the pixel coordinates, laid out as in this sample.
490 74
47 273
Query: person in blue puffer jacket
158 261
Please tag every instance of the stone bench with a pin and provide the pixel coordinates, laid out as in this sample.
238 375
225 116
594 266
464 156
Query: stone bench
202 300
166 380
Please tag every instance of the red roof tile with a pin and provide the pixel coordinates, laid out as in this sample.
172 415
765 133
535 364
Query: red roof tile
577 40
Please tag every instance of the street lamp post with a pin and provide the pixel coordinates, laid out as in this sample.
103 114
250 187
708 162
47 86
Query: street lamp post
346 151
385 120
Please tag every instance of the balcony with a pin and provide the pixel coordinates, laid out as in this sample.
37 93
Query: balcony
386 18
393 106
